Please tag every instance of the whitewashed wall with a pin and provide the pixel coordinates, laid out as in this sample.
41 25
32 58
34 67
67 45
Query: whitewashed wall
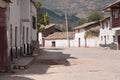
80 34
15 21
106 31
33 12
93 42
59 43
90 42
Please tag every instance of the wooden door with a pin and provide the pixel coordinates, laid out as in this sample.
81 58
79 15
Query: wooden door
43 42
118 42
3 40
79 42
53 44
105 40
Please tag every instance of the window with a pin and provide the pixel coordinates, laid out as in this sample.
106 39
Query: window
105 39
11 35
34 22
107 24
15 36
102 25
23 34
27 35
113 38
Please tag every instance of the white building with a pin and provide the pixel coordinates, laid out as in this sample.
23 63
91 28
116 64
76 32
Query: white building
22 28
18 19
80 40
107 35
114 10
59 39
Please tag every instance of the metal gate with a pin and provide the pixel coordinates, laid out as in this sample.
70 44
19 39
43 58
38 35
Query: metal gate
3 40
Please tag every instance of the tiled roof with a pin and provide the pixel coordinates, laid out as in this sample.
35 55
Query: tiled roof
85 25
48 26
115 4
104 19
60 35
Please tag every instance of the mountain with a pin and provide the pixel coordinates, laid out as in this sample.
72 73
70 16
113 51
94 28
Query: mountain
80 8
60 18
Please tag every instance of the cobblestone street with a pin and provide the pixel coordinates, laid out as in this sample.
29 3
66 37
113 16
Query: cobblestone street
71 64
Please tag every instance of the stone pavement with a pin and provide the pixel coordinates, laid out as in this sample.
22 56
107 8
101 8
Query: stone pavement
71 64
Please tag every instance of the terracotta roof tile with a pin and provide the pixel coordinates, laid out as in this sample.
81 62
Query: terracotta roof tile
48 26
60 35
85 25
113 4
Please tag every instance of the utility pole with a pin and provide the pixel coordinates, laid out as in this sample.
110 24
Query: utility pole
66 20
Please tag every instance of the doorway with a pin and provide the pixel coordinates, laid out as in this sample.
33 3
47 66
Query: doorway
118 42
53 44
78 42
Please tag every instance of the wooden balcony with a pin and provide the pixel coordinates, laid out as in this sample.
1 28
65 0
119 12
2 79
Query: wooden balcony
116 22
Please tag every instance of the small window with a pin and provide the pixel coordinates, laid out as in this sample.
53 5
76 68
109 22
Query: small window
102 25
34 22
27 35
113 38
11 32
106 24
16 36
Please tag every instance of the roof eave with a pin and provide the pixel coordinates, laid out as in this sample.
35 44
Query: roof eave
9 1
107 9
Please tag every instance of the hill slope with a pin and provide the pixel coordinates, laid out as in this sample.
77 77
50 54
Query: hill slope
75 7
60 19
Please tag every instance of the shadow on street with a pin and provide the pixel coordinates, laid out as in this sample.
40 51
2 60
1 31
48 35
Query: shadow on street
46 58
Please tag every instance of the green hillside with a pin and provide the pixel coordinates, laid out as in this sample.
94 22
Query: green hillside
60 19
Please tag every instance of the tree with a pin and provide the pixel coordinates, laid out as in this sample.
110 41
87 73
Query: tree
95 15
92 33
42 19
46 19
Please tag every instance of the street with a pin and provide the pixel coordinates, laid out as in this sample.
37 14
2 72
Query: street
71 64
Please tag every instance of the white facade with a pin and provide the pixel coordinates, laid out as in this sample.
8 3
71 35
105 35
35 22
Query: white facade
59 43
20 26
107 35
80 40
13 25
33 13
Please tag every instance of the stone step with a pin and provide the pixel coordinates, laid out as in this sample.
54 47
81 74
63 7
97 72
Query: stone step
23 63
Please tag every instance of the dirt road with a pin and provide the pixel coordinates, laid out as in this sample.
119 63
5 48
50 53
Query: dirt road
71 64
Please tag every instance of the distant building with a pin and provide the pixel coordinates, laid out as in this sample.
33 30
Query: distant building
48 30
80 40
114 9
107 35
59 39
